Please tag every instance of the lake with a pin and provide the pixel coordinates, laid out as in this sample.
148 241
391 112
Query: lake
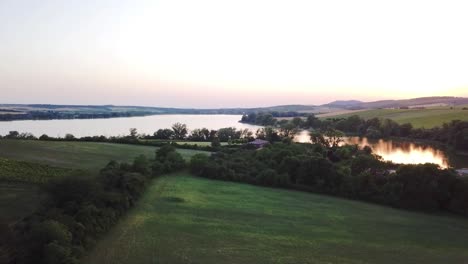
403 151
120 126
396 151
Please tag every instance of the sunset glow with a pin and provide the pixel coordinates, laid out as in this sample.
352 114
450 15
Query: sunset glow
219 53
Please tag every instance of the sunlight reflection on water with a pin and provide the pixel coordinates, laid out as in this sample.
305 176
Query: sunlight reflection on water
396 151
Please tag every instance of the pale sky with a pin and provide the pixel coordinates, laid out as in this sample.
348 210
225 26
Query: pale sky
215 53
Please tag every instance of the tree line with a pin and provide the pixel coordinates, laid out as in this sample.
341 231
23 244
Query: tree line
48 115
344 171
82 207
453 133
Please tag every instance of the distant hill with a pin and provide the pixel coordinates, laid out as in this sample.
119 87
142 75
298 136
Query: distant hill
414 102
47 111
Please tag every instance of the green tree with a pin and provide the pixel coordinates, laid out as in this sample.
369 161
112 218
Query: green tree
180 130
133 132
198 163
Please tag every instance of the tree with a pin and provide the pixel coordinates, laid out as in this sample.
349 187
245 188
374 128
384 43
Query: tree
317 138
406 129
288 129
197 163
180 130
333 137
133 133
162 152
312 121
164 134
12 134
297 122
69 137
215 143
224 134
197 135
44 137
141 165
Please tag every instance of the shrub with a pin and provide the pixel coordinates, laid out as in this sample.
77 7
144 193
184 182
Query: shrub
198 163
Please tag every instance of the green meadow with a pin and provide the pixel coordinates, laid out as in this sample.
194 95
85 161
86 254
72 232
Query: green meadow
26 164
184 219
427 118
76 155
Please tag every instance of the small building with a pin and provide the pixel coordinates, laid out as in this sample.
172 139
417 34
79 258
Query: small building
259 143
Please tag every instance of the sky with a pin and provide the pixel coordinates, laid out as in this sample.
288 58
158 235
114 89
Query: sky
216 53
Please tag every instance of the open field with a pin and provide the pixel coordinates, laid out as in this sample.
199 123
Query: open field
183 219
427 118
14 171
181 142
26 163
76 155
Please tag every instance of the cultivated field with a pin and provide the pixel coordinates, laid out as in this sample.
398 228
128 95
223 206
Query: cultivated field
25 164
427 118
76 155
183 219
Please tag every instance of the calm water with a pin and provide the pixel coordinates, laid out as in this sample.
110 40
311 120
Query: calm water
400 151
396 151
120 126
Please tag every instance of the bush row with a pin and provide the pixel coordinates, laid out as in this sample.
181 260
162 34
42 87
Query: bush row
355 174
80 208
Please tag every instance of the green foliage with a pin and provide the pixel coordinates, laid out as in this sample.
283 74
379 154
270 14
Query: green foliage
180 130
453 133
198 162
167 160
54 253
419 118
27 172
189 219
216 143
344 171
80 208
90 156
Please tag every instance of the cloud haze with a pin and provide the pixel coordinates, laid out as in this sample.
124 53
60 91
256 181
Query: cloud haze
230 53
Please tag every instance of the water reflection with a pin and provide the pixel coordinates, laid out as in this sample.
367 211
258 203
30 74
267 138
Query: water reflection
396 150
402 151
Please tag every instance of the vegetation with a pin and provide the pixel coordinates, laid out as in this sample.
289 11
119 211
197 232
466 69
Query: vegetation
183 219
46 112
77 155
418 118
80 209
12 171
454 133
266 118
342 171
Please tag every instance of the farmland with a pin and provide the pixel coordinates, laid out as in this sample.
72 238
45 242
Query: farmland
183 219
26 164
427 118
76 155
27 172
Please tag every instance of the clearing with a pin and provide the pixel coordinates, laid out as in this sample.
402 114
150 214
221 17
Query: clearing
184 219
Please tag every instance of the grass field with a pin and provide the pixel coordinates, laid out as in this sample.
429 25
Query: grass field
183 219
76 155
13 171
181 142
24 164
426 118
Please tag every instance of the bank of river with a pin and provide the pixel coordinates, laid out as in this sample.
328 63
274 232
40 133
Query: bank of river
398 151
